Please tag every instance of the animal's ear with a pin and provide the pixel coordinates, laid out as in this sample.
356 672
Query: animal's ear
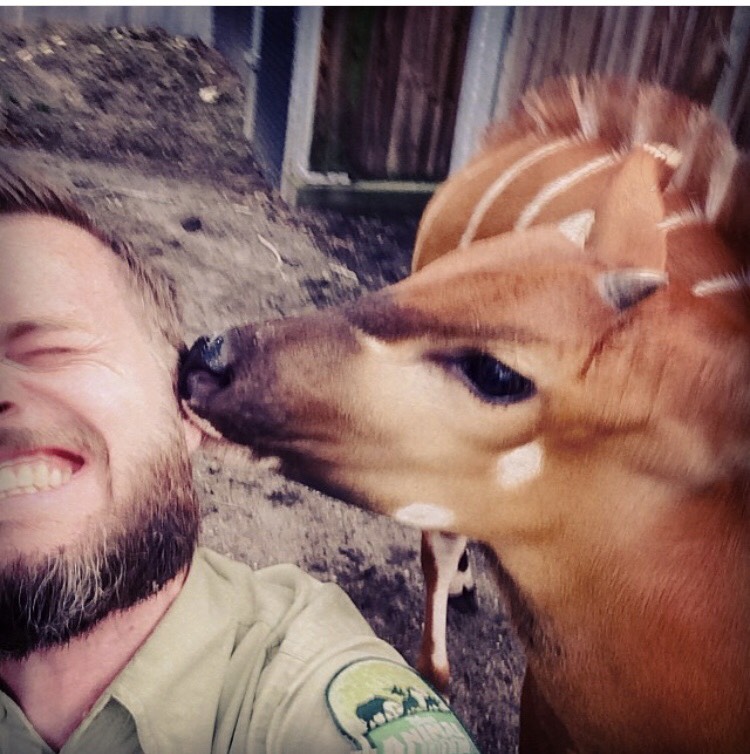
626 230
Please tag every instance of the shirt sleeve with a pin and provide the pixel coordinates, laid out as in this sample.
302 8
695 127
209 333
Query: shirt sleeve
306 721
336 688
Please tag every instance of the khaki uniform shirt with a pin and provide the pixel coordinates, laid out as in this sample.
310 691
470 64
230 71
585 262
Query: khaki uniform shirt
255 662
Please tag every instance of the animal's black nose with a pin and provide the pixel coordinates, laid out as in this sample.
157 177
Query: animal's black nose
204 369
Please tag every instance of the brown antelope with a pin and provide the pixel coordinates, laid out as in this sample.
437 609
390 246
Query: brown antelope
566 378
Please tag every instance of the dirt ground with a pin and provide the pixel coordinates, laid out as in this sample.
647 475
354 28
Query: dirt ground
117 115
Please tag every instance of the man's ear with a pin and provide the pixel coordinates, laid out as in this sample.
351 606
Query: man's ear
193 435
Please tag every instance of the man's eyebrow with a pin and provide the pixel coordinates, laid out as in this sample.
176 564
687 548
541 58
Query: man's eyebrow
42 325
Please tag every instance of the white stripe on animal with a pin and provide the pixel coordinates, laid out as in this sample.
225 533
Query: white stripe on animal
499 185
724 284
720 182
588 116
561 185
665 152
669 154
692 216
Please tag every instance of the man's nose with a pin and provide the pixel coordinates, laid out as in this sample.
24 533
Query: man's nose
205 368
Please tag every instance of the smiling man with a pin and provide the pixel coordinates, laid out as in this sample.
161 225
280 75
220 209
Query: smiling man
117 632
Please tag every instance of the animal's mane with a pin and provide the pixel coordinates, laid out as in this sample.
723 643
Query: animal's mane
714 175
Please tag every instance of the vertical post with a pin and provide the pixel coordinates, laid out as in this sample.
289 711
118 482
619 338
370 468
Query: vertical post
488 37
643 20
299 130
252 58
739 39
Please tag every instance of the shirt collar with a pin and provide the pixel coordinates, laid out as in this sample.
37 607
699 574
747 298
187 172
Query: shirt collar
173 683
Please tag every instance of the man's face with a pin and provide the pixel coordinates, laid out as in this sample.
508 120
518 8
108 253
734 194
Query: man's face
92 453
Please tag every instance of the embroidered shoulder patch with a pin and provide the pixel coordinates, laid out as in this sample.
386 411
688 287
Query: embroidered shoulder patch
388 708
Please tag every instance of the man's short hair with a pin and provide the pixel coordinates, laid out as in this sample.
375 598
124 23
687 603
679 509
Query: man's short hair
23 192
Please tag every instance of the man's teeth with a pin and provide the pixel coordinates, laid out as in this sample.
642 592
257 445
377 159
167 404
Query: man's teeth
36 476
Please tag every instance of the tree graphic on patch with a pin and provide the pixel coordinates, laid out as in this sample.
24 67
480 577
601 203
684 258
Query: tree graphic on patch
386 707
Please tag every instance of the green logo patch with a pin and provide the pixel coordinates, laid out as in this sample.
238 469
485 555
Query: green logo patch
388 708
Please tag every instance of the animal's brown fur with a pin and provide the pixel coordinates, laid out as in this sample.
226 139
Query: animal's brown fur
625 551
623 113
613 115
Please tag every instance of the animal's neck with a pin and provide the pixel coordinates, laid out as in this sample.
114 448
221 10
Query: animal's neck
616 631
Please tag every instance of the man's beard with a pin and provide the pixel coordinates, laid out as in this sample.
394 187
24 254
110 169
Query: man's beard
127 556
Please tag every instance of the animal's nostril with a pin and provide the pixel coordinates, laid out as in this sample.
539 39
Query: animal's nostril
205 367
213 354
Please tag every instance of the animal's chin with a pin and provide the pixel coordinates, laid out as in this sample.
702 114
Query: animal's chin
308 471
277 455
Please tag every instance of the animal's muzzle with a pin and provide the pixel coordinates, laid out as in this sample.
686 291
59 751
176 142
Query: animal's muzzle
205 369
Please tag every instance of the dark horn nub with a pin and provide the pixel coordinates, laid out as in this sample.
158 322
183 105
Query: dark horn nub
204 368
622 289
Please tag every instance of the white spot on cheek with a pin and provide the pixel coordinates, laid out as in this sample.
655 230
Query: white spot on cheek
373 344
520 465
425 516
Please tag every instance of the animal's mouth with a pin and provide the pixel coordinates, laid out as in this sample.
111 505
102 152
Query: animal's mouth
214 443
38 470
205 427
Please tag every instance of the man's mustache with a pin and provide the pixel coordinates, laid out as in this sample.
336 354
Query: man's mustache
80 440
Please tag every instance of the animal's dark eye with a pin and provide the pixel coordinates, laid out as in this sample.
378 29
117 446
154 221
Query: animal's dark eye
493 380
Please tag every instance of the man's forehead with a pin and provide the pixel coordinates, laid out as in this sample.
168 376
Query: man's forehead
56 273
29 225
28 237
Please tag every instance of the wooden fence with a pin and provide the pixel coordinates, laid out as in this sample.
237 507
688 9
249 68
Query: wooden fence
390 79
683 48
702 52
389 83
388 87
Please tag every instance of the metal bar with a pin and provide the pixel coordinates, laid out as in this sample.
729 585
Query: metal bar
252 58
488 38
299 130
